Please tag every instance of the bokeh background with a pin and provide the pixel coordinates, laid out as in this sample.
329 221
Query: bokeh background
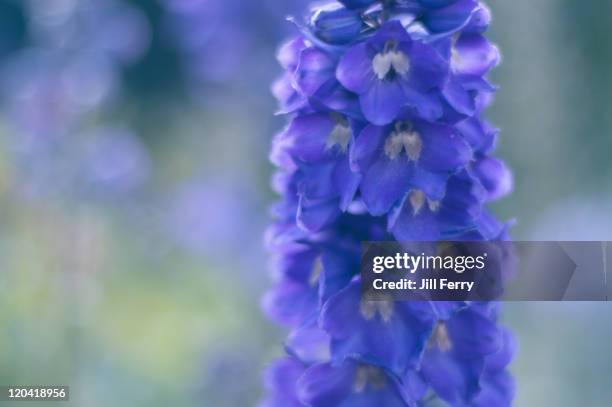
134 193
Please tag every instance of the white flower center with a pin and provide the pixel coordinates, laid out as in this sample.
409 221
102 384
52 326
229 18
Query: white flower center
387 61
455 56
340 135
404 139
433 205
417 200
440 337
455 59
315 273
368 374
369 309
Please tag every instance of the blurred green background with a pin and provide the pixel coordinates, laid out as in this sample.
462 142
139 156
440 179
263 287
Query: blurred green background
140 286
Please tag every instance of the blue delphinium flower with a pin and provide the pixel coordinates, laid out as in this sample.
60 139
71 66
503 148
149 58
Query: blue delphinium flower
390 71
386 141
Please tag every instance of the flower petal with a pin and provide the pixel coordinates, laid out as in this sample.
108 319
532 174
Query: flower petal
451 17
354 70
367 146
307 136
385 182
392 338
475 55
323 385
315 215
346 182
382 101
290 302
281 381
428 68
315 68
443 150
494 176
411 226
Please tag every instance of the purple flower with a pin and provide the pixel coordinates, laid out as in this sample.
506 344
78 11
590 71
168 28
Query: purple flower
318 144
391 70
408 155
311 77
384 333
421 217
335 24
352 384
355 4
444 16
458 350
280 381
386 141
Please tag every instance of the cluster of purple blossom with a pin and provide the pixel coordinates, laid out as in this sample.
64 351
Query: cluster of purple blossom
55 89
386 141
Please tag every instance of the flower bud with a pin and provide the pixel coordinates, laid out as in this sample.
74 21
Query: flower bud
336 25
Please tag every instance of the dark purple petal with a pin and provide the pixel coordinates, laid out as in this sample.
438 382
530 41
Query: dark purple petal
462 204
367 147
497 390
455 382
288 54
309 342
346 182
322 385
487 227
474 56
435 3
307 135
443 150
426 106
338 270
340 313
281 381
315 215
354 70
316 181
459 99
494 176
501 359
477 133
290 302
433 184
428 68
296 262
331 96
382 102
388 334
290 100
465 344
385 182
411 226
356 3
451 17
315 68
336 25
386 396
391 30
